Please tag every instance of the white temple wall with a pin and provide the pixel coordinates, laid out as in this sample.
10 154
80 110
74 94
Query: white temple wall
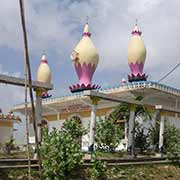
55 124
174 121
5 134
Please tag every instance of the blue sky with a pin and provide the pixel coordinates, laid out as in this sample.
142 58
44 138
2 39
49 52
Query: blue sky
56 27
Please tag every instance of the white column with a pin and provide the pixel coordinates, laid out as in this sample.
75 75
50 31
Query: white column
92 126
58 116
38 113
161 133
126 132
131 130
155 116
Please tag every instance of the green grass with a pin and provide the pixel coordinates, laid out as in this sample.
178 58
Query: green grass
17 174
142 172
110 154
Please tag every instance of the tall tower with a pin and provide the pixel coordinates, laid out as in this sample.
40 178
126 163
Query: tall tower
136 56
85 58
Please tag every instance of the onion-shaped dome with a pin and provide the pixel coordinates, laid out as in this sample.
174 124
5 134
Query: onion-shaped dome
85 58
136 54
44 72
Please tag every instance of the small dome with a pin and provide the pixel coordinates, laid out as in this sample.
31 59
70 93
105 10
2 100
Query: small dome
43 72
85 51
136 48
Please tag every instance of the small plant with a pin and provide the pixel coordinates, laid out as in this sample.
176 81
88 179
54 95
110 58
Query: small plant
99 169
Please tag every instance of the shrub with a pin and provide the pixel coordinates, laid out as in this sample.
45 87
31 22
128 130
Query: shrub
74 128
171 139
108 135
60 152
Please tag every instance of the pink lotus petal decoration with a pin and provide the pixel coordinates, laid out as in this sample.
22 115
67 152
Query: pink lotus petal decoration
82 87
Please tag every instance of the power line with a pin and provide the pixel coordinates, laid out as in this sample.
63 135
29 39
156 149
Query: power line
166 75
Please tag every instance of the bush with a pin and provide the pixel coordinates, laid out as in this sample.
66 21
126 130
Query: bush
108 135
74 128
171 139
60 152
99 169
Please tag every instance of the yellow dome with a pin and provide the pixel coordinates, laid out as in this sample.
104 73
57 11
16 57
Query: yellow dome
85 51
136 48
43 72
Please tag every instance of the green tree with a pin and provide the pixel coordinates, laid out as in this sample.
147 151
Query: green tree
122 112
60 151
140 137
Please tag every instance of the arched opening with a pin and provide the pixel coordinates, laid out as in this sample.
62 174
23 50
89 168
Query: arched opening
76 118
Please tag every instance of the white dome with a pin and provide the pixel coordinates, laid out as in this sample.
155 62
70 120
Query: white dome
44 72
85 51
136 48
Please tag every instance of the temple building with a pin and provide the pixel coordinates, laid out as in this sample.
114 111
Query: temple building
88 101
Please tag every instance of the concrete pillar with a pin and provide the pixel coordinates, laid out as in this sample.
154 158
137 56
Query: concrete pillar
155 116
38 112
58 116
131 130
92 124
161 133
126 132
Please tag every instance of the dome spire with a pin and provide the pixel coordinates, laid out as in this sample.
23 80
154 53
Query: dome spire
43 58
85 58
86 31
136 30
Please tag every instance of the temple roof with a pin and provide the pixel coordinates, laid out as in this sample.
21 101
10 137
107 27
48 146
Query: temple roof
153 94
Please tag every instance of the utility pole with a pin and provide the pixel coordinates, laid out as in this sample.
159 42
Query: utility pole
26 53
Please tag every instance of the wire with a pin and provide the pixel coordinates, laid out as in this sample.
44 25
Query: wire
165 76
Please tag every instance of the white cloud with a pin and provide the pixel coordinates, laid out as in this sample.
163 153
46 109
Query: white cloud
10 95
55 26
